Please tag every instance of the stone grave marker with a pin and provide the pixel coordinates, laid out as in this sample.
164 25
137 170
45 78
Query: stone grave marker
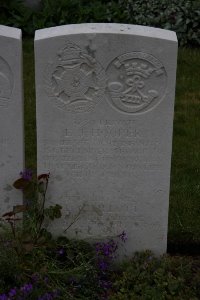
105 101
11 116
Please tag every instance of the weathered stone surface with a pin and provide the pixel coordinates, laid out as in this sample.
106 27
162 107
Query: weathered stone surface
11 116
105 100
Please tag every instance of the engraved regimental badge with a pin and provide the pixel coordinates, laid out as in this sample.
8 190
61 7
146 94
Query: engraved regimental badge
75 80
6 83
136 82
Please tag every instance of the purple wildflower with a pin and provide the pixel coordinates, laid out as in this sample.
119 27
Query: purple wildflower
12 293
72 281
35 278
46 296
46 280
103 266
26 174
104 284
61 251
3 297
149 258
27 288
123 236
49 295
106 249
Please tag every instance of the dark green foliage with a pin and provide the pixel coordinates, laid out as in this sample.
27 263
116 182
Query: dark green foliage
14 13
148 278
11 12
53 212
178 15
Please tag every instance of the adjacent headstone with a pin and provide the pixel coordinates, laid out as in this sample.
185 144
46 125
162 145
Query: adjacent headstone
105 101
11 116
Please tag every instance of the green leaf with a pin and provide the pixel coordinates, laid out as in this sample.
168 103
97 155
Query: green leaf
53 212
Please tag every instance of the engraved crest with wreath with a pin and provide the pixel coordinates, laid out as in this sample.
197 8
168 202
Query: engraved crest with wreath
75 80
137 81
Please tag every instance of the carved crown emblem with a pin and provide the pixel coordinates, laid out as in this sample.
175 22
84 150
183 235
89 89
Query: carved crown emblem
140 69
69 52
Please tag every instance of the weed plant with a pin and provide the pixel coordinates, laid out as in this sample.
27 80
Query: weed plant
36 266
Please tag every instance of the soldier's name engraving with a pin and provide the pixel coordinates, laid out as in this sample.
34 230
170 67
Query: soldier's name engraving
116 150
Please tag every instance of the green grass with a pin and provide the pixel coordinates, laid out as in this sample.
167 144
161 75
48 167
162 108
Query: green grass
184 212
29 105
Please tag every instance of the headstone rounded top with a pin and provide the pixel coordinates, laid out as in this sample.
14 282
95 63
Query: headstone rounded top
105 28
10 32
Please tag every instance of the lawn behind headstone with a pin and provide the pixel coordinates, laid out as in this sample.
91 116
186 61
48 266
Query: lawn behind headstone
184 214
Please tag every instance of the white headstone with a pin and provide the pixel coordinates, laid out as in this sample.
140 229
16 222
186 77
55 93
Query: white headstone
105 101
11 116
